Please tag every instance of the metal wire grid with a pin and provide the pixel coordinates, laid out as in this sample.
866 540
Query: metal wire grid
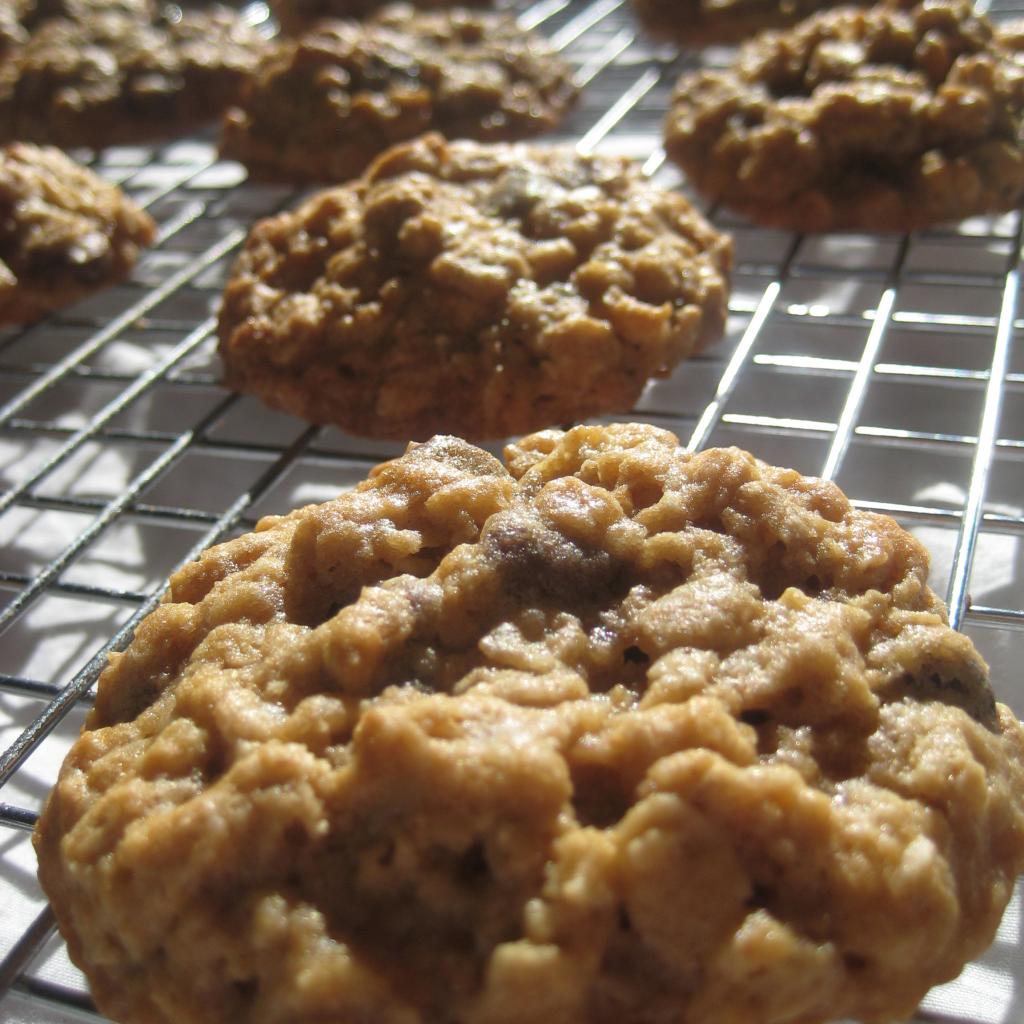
884 362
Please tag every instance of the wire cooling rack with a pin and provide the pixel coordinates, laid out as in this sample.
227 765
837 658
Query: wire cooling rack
893 364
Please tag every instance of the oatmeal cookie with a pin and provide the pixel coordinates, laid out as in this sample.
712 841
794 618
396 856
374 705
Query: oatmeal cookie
878 119
320 108
486 290
115 77
64 232
617 734
699 22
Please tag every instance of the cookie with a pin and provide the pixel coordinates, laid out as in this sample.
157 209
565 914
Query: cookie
299 16
64 232
875 119
116 78
320 108
699 22
484 290
617 734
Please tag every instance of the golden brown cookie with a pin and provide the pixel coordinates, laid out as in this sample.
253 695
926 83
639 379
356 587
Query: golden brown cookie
483 290
114 77
616 734
321 107
875 119
64 232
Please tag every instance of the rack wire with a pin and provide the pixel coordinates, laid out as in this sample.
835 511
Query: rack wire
892 364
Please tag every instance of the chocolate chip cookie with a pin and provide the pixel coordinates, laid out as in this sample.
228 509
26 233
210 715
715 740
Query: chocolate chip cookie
115 77
64 232
321 107
614 734
879 119
485 290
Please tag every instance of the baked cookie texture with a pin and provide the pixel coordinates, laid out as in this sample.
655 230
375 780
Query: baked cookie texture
700 22
64 232
617 734
880 119
112 77
320 108
484 290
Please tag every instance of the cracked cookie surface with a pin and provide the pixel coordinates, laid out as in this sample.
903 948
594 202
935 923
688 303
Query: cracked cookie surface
64 232
321 107
614 734
112 75
882 119
480 290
